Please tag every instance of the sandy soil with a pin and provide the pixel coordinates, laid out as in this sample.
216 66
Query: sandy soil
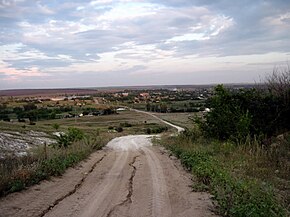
129 177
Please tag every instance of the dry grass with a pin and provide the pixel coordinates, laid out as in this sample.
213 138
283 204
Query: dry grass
180 119
268 168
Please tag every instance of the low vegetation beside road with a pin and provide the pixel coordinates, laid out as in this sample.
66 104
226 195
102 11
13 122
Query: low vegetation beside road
240 150
246 180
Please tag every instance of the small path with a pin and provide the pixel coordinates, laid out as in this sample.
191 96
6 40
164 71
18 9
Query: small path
179 129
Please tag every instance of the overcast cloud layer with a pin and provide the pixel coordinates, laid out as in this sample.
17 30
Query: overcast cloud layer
104 43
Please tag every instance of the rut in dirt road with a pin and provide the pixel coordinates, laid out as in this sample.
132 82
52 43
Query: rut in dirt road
78 185
130 189
130 177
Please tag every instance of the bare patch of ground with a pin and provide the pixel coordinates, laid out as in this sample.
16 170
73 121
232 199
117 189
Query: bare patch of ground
17 143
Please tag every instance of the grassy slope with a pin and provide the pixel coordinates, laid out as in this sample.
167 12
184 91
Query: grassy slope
246 180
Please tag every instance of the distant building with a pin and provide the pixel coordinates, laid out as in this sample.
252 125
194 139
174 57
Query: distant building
120 109
144 95
57 98
207 110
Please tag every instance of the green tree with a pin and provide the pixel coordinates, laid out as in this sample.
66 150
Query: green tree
29 107
227 119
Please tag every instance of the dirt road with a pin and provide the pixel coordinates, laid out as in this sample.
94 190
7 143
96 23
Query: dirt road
179 129
130 177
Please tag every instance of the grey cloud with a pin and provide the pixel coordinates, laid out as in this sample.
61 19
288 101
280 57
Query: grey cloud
252 32
20 64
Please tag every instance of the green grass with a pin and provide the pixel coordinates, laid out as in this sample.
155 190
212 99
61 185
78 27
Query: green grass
221 168
180 119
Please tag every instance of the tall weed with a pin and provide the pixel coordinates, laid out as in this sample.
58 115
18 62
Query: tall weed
221 168
18 173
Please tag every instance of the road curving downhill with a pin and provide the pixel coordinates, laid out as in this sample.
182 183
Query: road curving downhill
129 177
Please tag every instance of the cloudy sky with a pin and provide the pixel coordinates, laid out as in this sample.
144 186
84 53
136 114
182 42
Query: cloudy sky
79 43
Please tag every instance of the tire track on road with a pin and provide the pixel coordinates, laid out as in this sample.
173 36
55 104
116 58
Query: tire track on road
130 188
98 206
76 187
160 201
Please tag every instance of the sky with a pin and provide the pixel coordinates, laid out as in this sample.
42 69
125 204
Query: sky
80 43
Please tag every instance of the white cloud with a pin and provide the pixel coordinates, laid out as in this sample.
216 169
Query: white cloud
100 2
189 37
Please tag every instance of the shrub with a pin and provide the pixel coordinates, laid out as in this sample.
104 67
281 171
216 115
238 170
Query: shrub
18 173
156 130
125 124
65 140
75 134
55 126
119 129
236 196
148 130
237 114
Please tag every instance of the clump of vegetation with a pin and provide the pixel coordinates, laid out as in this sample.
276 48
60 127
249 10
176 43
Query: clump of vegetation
64 140
156 130
18 173
125 124
241 179
119 129
236 114
56 126
240 150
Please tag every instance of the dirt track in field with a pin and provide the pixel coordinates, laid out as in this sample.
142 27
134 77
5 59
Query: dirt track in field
128 178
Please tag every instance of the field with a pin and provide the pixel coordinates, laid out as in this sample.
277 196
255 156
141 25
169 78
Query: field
180 119
130 122
89 123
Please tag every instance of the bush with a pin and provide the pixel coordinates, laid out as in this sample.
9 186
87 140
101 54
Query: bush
148 131
65 140
235 196
75 134
125 124
18 173
237 114
119 129
156 130
55 126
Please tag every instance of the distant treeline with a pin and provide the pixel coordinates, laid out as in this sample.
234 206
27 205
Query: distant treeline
33 113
